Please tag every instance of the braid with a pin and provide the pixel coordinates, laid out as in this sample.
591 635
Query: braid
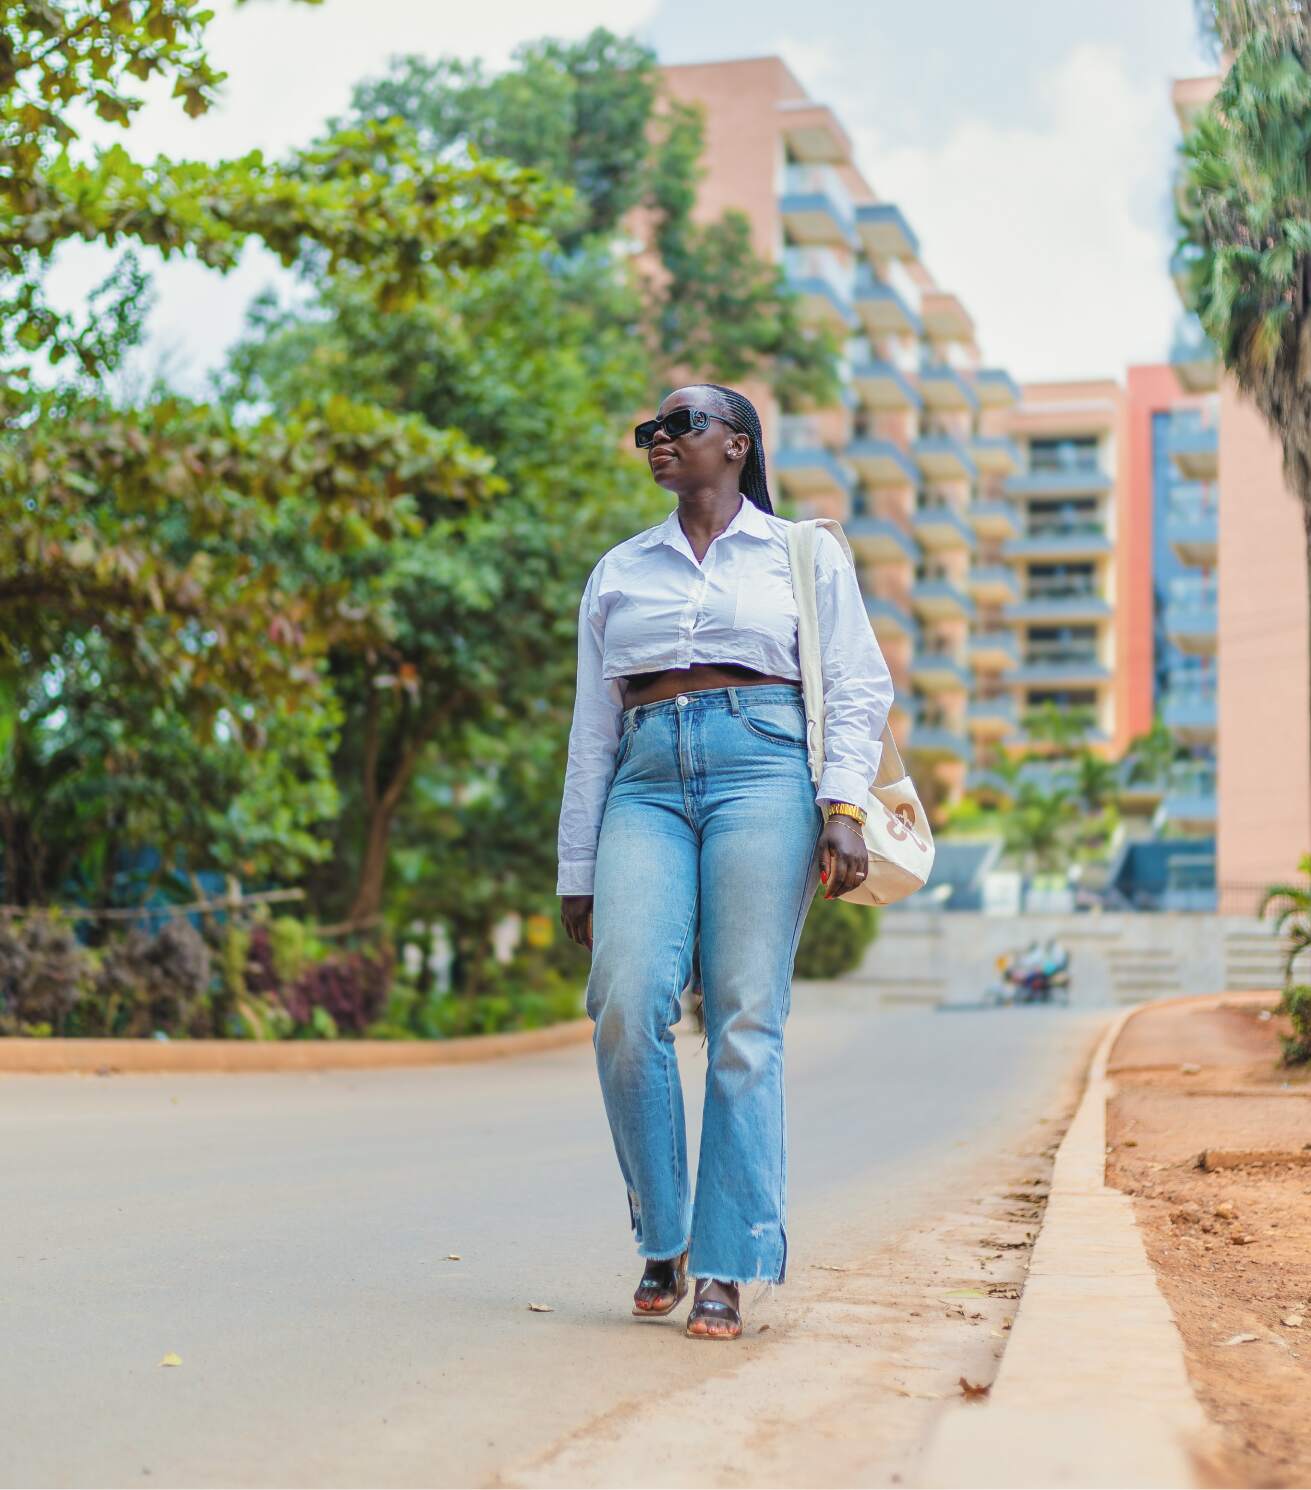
743 412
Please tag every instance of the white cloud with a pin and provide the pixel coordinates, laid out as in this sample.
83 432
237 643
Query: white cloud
1055 236
290 67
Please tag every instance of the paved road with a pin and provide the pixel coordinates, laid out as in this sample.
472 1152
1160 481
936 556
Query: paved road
287 1236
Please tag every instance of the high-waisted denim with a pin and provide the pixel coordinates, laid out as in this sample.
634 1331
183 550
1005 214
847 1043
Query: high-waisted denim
711 828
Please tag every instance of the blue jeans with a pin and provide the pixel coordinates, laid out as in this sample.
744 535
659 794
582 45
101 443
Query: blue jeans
711 825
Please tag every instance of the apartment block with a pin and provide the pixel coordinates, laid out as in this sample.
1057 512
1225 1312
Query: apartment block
916 456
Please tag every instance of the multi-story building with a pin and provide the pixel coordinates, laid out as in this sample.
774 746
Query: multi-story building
915 455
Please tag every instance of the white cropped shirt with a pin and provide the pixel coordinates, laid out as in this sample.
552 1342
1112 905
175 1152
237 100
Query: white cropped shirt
649 605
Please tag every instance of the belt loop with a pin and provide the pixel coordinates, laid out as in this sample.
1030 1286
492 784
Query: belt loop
732 700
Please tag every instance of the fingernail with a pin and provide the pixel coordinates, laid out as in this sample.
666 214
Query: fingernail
823 874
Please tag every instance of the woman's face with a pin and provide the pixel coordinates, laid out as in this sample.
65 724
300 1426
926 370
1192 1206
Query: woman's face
701 458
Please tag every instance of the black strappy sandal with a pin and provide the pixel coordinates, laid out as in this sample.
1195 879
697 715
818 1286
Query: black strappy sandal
653 1285
713 1309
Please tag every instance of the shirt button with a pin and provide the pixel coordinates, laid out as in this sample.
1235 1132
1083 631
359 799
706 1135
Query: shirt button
682 700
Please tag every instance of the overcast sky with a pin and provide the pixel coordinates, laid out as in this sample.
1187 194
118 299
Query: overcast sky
1029 142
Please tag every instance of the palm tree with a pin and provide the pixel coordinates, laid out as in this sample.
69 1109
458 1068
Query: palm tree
1150 756
1244 208
1095 781
1039 826
1062 729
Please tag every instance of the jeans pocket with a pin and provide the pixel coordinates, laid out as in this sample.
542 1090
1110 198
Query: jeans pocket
779 723
625 746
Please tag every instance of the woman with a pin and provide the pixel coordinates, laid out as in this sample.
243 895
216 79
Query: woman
689 808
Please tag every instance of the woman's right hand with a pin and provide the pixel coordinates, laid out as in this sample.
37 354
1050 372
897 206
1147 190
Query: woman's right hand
576 917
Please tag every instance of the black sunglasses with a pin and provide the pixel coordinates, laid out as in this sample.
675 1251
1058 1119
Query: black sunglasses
677 422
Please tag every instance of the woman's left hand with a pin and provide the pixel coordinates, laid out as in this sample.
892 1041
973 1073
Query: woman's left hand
843 856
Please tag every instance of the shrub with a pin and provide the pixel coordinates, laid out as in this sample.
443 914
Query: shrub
1297 1005
1291 907
43 973
149 983
835 937
352 988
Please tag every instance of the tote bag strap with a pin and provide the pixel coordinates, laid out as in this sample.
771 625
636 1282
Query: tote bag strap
803 543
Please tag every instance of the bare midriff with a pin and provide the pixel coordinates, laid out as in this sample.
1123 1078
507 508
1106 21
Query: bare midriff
649 688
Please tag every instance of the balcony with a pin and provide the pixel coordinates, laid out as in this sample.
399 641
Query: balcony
879 540
1195 446
890 619
1189 803
995 455
939 526
883 385
943 387
1194 358
1059 479
945 318
939 672
1192 525
940 600
994 650
1070 539
1190 615
885 233
882 463
998 520
806 467
822 285
942 457
996 389
812 133
991 718
884 309
988 786
933 741
1191 714
1059 667
994 584
815 206
1060 603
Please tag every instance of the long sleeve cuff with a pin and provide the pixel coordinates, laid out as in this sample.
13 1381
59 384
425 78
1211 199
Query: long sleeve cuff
839 784
576 878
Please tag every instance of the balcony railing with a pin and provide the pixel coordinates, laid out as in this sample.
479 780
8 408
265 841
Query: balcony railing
820 181
822 264
799 432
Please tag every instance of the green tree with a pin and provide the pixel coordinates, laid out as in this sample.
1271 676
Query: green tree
1039 827
1244 208
1058 728
1094 781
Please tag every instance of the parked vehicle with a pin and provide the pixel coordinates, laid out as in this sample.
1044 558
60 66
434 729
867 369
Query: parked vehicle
1040 974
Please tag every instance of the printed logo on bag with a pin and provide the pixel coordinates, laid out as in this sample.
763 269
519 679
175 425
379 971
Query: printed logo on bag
899 829
906 813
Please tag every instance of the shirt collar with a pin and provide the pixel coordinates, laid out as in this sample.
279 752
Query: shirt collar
747 519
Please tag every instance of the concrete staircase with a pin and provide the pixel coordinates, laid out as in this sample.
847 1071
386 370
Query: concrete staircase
1139 973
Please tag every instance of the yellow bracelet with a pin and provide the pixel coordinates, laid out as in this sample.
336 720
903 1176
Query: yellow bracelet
845 809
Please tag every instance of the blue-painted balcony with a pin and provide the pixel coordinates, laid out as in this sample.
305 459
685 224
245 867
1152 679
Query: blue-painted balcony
1137 788
1072 480
822 286
994 718
1060 604
944 388
815 206
885 233
806 468
1189 806
883 385
994 584
1073 538
1194 444
940 600
890 619
935 741
994 651
1059 667
879 540
988 786
940 672
996 388
994 519
1190 614
882 463
1192 525
996 455
942 457
938 526
883 308
1190 713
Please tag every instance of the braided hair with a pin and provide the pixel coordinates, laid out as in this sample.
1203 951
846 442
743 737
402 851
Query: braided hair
742 412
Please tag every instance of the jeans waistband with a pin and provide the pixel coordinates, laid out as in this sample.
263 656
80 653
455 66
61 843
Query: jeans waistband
726 698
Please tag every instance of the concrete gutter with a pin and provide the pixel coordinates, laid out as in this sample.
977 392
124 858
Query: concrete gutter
47 1057
1092 1390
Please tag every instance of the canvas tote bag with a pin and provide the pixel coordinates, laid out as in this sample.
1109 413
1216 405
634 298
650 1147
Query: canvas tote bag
896 830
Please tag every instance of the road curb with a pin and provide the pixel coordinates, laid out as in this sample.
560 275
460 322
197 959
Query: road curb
38 1057
1093 1389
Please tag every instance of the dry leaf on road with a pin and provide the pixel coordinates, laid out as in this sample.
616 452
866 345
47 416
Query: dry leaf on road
1241 1340
171 1360
973 1393
542 1308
